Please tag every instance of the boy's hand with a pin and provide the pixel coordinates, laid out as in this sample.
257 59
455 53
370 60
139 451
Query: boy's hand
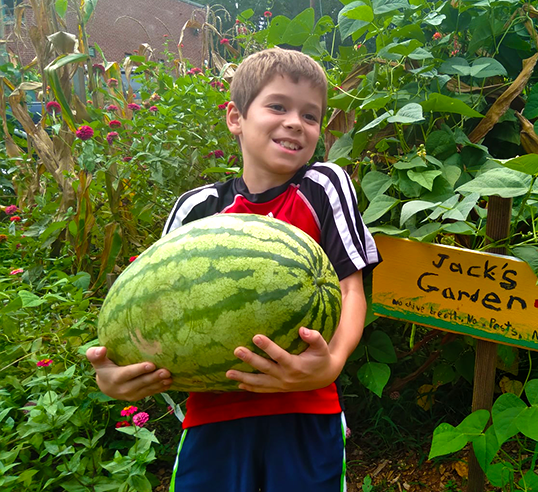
130 383
312 369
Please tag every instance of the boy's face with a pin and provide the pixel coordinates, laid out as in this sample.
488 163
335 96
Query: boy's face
280 132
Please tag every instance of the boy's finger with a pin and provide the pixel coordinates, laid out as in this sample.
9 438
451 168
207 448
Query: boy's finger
277 353
256 361
313 338
95 353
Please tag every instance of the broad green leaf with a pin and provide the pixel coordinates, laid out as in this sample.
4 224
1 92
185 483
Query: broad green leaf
527 422
410 113
412 208
426 233
443 374
374 376
527 164
378 207
276 30
380 347
313 46
463 208
451 174
139 483
89 8
500 474
441 144
389 230
531 106
384 6
455 66
376 122
29 299
531 390
528 253
505 183
434 18
405 48
529 481
423 178
446 440
348 26
415 162
341 148
485 448
299 28
444 104
246 14
376 101
474 424
459 228
444 207
324 25
375 183
487 67
420 54
360 12
504 413
61 7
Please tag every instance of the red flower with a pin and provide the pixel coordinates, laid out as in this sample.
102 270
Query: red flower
111 137
3 238
218 153
437 36
53 107
15 218
132 258
224 105
89 101
133 106
16 271
126 158
11 209
114 124
194 71
129 411
123 423
100 68
224 41
112 82
111 107
44 363
232 160
165 35
267 14
84 132
153 109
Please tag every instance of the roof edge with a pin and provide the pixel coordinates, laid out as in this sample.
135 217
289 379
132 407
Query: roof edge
190 2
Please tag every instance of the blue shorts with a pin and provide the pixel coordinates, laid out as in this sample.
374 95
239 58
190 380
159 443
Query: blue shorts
275 453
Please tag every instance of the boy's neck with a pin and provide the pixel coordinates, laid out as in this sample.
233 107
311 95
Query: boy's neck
258 181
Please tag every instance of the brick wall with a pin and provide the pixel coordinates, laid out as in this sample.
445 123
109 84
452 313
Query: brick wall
119 27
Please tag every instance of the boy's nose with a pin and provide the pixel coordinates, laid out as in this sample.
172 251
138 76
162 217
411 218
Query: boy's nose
293 121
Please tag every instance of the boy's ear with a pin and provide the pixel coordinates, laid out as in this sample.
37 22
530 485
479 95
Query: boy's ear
233 119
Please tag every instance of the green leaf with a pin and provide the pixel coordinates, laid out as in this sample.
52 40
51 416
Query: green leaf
443 374
348 26
246 14
360 12
410 113
455 66
29 299
527 422
527 164
341 148
374 376
420 54
446 440
378 207
531 390
474 424
89 8
502 182
384 6
500 474
380 347
529 481
375 183
528 253
504 413
444 104
61 7
531 106
404 48
415 162
487 67
412 208
423 178
276 30
485 448
299 28
324 25
376 122
140 483
441 144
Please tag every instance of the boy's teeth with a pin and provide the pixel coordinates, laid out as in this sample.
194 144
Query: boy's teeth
288 145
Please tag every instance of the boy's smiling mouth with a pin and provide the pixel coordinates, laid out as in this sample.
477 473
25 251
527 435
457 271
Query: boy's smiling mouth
288 144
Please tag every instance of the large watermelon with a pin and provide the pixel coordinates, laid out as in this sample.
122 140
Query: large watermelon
208 287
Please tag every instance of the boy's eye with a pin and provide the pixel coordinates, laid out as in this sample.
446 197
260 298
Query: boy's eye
277 107
311 117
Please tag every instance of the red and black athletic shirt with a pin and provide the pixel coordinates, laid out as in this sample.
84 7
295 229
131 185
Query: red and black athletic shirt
320 200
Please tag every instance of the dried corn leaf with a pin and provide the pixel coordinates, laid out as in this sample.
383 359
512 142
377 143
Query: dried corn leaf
500 106
529 139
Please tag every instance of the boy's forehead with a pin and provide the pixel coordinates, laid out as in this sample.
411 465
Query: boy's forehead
278 78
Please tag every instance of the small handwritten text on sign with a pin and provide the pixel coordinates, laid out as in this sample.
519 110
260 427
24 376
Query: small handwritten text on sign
483 295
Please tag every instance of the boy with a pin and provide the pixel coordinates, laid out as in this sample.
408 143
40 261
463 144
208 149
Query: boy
284 431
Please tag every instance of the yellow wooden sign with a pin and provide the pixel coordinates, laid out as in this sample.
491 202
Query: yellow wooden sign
483 295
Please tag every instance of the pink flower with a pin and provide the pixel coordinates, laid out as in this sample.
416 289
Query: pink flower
358 46
15 218
224 41
267 14
133 106
111 137
16 271
111 107
165 35
99 68
232 160
217 84
129 411
53 107
154 109
155 97
348 432
218 153
89 101
112 82
44 363
170 410
132 258
223 105
127 158
194 71
114 124
11 209
140 419
84 132
123 423
437 36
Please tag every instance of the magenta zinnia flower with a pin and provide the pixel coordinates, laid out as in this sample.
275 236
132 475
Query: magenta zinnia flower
16 271
129 411
111 137
44 363
218 153
111 107
123 423
154 109
140 419
267 14
112 82
114 124
224 41
53 107
84 132
132 258
223 105
194 71
127 158
11 209
133 106
99 67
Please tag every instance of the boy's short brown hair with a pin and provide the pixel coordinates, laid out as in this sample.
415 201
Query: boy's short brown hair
260 68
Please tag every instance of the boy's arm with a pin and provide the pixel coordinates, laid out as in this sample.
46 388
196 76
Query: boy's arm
320 364
129 383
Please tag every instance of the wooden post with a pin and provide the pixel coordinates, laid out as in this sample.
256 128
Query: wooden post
497 229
